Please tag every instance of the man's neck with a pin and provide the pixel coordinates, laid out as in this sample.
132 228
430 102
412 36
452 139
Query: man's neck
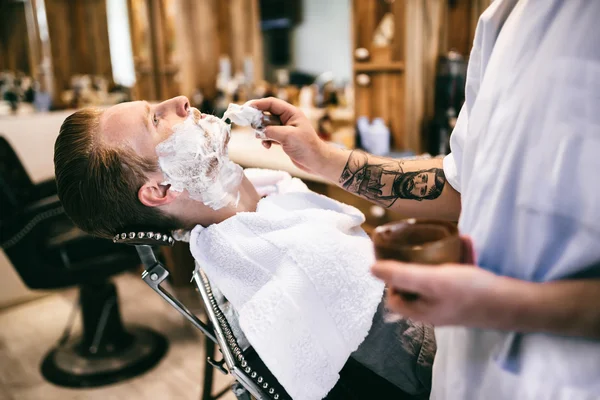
198 214
249 198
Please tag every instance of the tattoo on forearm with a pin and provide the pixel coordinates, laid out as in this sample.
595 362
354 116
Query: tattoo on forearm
384 183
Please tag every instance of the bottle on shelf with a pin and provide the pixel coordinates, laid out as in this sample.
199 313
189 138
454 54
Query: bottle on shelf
379 137
362 138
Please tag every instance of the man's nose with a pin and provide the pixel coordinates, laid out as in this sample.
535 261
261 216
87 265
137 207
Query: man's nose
181 105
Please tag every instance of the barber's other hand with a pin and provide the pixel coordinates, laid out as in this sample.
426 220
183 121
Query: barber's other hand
296 135
451 294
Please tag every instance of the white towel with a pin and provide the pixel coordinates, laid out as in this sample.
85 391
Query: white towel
297 272
268 181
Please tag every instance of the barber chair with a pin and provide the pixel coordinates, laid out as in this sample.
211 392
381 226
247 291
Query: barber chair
253 380
49 252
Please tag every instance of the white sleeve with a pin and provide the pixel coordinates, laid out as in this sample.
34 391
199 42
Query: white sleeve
482 46
453 161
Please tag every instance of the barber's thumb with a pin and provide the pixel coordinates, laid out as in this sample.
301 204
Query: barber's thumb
402 276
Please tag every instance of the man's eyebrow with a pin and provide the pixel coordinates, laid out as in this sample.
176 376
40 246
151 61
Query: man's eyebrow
147 116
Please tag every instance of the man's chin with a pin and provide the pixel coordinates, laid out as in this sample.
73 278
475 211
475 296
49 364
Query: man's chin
212 118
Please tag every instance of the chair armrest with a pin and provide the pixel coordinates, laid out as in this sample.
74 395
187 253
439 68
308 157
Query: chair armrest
42 204
20 223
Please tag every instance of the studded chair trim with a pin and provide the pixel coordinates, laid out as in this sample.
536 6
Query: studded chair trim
269 389
149 238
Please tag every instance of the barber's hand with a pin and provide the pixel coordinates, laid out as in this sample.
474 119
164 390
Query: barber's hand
451 294
296 134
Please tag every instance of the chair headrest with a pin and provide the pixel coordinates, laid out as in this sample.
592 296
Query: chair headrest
148 238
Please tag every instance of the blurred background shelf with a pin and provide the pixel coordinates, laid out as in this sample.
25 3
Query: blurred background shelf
391 66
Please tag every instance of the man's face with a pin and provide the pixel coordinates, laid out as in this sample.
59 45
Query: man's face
141 125
421 184
189 147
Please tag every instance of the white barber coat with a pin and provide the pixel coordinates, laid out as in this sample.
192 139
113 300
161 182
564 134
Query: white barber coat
526 160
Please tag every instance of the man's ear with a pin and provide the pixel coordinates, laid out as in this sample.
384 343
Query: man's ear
153 194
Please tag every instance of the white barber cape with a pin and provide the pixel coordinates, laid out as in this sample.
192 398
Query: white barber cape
297 271
526 160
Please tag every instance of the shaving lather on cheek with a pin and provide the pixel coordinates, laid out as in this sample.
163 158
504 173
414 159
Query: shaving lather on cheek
195 158
246 115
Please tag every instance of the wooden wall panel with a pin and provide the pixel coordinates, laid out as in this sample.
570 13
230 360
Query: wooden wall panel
80 53
460 33
402 85
397 113
156 10
206 30
460 23
141 44
224 21
364 16
384 96
99 46
186 75
36 53
78 32
14 54
156 28
60 39
206 46
256 48
379 90
247 8
238 33
362 102
169 69
398 43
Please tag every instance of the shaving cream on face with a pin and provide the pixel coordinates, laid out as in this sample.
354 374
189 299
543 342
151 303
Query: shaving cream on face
195 158
246 115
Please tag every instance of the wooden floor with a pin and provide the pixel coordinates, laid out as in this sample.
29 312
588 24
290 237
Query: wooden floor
29 330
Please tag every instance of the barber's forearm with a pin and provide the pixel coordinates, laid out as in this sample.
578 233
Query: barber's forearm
331 163
394 184
569 307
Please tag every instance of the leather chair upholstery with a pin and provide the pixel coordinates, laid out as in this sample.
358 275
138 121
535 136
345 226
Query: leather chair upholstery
49 252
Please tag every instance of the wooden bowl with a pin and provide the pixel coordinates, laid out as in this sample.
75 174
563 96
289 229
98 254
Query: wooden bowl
422 241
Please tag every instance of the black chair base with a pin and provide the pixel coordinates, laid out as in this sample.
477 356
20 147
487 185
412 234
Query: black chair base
68 366
106 352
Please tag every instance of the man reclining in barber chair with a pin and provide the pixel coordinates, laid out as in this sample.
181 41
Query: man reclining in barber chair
293 265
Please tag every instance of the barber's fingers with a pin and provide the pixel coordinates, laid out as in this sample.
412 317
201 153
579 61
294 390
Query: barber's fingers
281 134
267 144
417 308
275 106
467 250
404 277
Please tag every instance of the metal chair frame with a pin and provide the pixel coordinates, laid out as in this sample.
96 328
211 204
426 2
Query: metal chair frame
249 384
